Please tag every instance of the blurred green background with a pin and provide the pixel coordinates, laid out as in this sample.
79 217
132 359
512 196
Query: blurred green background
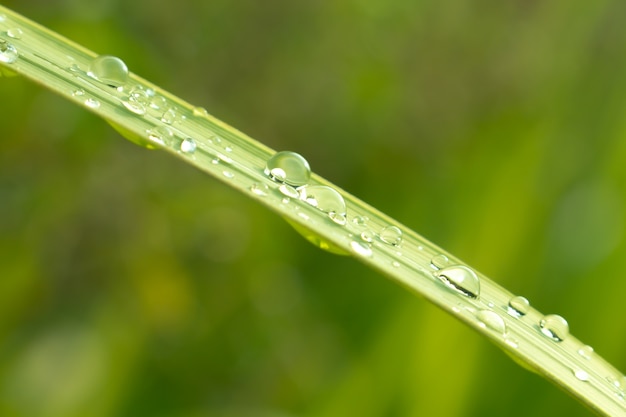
133 285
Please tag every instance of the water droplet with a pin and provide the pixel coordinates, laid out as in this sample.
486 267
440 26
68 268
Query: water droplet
288 167
15 33
137 139
2 18
492 321
317 240
461 279
367 236
109 70
228 174
324 198
228 148
8 53
514 343
360 221
160 135
361 249
170 116
338 218
288 191
395 264
439 261
158 103
260 189
586 352
224 158
78 92
74 68
188 146
137 101
92 103
215 161
200 112
518 306
391 235
581 375
555 327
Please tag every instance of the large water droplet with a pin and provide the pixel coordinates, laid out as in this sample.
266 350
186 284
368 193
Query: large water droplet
554 326
518 306
461 279
317 240
109 70
8 53
288 167
188 146
391 235
15 33
492 321
361 248
324 198
137 101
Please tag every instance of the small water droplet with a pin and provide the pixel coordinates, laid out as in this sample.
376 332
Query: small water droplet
367 236
391 235
137 101
8 53
361 249
492 321
109 70
514 343
157 102
200 112
304 216
15 33
288 167
92 103
170 116
228 174
78 92
581 375
188 146
586 352
339 218
395 264
225 158
160 135
2 18
74 68
360 221
324 198
518 306
288 191
461 279
286 200
228 148
439 261
260 189
554 326
215 161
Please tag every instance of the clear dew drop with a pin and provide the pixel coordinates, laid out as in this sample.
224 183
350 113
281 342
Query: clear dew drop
339 218
395 264
518 306
188 146
361 248
514 343
391 235
367 236
360 221
137 101
8 53
260 189
109 70
200 112
157 102
170 116
586 352
92 103
289 191
581 375
324 198
492 321
554 326
2 18
160 135
461 279
79 92
228 174
15 33
439 261
289 168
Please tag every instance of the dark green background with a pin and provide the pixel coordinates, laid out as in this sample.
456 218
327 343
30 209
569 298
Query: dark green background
132 285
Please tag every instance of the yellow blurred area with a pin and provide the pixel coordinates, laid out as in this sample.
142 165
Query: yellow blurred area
132 285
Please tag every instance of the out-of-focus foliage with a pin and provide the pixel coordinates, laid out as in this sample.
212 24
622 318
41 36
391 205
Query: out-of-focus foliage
132 285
